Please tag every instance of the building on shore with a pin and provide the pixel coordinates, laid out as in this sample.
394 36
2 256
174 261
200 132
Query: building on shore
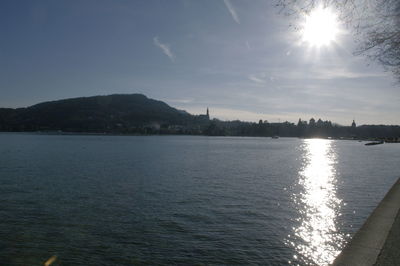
206 116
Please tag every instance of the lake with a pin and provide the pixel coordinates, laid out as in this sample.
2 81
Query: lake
132 200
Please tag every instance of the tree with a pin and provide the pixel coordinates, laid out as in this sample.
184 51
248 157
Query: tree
312 122
375 23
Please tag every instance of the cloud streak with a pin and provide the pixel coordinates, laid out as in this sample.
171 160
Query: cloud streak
260 78
164 48
232 11
256 79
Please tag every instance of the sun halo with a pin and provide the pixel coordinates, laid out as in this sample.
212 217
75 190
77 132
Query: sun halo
320 27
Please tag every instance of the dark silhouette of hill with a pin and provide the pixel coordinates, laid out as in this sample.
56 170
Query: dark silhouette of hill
137 114
118 112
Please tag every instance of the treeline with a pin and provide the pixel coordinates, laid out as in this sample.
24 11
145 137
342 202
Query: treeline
303 128
137 114
118 113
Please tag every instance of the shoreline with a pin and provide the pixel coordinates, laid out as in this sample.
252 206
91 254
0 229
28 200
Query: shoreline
375 242
63 133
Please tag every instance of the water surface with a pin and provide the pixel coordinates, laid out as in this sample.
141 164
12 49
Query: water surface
123 200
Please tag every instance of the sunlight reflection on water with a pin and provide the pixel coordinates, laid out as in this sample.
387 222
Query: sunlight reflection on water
318 205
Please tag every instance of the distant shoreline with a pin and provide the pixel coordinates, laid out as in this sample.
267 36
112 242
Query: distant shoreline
57 133
137 115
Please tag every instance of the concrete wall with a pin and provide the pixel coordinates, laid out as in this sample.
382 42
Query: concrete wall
369 242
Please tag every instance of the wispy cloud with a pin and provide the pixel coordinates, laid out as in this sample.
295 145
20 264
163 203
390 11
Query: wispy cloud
344 73
164 48
256 79
248 45
232 10
260 78
178 100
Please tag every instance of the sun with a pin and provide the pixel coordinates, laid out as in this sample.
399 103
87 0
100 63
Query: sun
320 27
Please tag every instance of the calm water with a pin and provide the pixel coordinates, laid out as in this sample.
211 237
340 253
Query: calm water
119 200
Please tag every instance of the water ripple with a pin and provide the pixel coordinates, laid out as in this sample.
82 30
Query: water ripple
316 237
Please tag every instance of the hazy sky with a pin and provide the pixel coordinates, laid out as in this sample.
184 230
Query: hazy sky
239 58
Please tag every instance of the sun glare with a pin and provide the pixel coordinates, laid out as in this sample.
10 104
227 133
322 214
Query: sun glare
319 205
320 27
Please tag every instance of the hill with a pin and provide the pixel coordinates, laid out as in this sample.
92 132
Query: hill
113 113
137 114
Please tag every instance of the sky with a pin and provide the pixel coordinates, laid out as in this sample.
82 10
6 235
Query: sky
239 58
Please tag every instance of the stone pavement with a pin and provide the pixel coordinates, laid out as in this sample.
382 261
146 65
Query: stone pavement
378 240
390 254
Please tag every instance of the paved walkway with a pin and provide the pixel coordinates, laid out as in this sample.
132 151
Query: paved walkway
390 254
378 240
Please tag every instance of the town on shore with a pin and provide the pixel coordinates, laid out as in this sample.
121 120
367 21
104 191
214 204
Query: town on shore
135 114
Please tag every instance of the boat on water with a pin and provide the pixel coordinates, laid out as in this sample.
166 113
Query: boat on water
374 143
275 137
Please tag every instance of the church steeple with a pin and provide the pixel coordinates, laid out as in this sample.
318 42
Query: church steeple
353 125
208 114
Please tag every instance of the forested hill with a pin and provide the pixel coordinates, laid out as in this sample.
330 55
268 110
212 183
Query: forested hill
137 114
122 113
